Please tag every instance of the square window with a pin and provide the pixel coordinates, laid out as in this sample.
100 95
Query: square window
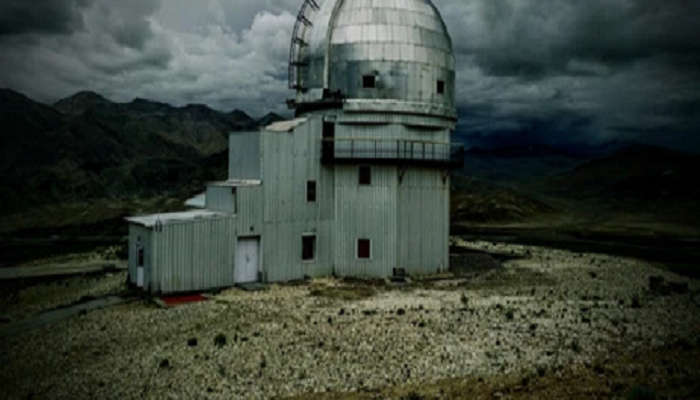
441 87
365 175
364 249
328 130
369 81
308 248
311 191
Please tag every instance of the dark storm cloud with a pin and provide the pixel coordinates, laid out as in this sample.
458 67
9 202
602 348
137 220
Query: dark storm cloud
41 16
534 38
539 70
543 64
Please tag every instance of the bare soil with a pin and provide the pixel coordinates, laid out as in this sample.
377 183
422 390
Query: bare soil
527 322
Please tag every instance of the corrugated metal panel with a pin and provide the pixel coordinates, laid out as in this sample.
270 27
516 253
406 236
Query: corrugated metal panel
195 255
221 198
365 212
282 246
290 160
250 210
244 155
388 118
423 237
391 132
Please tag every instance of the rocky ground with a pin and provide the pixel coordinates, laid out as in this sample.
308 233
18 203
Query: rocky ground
544 324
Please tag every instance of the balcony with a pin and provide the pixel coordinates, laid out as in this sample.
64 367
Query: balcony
393 152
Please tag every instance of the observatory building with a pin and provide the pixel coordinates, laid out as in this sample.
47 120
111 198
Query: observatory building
358 184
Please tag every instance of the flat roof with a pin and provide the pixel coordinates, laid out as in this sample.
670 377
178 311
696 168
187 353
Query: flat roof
150 221
198 201
286 126
237 183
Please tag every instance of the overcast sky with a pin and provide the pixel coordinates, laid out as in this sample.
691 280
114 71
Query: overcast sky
555 70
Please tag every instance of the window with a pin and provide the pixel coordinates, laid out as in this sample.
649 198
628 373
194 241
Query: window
328 130
140 256
369 81
441 87
365 177
364 249
311 191
308 248
328 146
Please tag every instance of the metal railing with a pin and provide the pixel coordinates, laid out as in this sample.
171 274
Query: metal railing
392 151
299 42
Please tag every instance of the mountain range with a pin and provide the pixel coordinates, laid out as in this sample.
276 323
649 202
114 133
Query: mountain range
87 147
88 151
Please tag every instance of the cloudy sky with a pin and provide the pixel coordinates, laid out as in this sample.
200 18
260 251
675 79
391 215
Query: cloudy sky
549 70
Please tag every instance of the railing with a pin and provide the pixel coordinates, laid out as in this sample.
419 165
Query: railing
392 151
300 33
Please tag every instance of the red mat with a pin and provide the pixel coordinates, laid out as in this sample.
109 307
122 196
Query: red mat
178 300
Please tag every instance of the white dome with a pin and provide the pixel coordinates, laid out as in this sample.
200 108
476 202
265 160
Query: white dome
404 44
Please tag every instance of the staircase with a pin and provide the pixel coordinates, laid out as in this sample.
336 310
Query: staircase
302 29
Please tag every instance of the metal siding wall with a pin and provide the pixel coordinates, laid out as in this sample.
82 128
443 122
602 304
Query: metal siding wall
244 155
365 212
289 161
250 210
195 255
423 221
391 132
221 198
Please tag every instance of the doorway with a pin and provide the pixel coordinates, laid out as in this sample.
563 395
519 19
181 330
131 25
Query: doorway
247 260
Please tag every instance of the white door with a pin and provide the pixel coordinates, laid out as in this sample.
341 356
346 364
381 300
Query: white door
247 258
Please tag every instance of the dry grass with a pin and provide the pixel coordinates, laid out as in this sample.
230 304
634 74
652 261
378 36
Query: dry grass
345 293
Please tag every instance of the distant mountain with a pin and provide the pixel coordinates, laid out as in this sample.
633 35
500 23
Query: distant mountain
475 201
87 146
637 178
524 151
513 165
270 118
81 102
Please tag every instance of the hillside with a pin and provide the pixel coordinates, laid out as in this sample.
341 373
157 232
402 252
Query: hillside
87 147
638 178
511 165
478 202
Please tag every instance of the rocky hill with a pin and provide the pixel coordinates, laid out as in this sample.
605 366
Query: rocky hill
637 178
88 147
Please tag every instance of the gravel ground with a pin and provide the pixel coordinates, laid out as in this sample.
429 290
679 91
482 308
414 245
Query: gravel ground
540 314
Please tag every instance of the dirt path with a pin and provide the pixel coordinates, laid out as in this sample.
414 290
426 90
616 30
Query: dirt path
56 270
60 314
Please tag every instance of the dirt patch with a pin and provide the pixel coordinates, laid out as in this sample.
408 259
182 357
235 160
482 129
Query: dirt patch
534 328
345 293
666 372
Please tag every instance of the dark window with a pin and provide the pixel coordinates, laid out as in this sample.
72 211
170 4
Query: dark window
311 191
365 176
140 257
369 81
441 87
308 248
364 249
328 148
328 130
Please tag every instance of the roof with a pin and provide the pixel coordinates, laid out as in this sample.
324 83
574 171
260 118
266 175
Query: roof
405 44
237 183
198 201
150 221
285 126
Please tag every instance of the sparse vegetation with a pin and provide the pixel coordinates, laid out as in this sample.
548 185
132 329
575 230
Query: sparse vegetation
346 293
284 340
